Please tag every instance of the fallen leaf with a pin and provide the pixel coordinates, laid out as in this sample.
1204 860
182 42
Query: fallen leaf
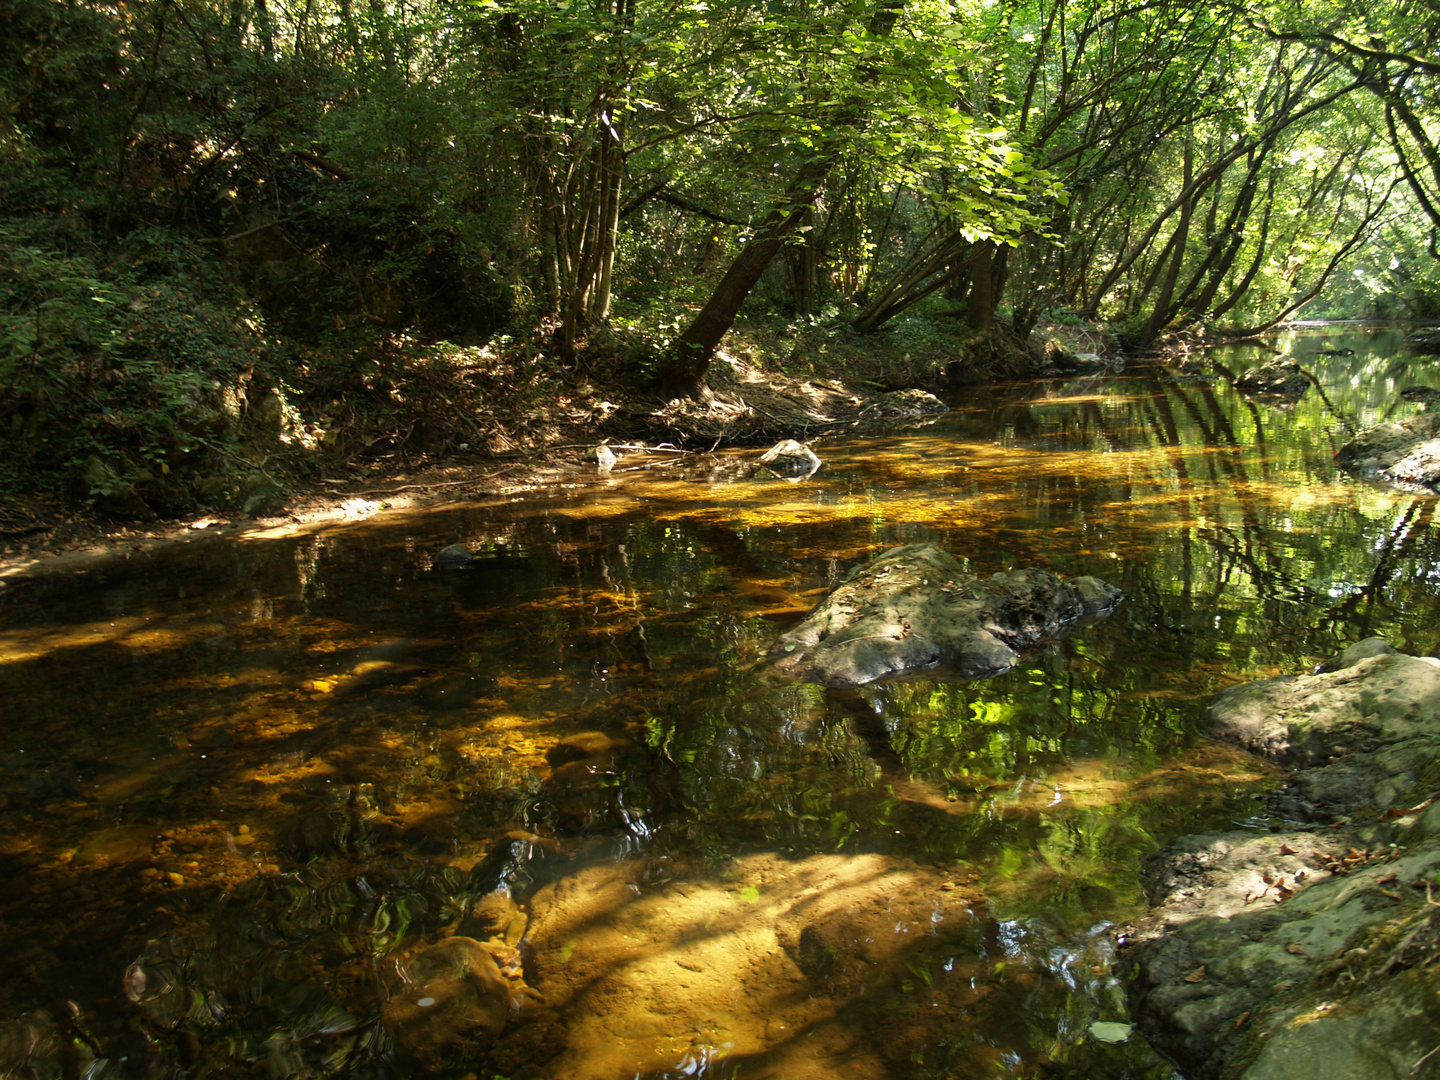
1385 879
1267 879
1285 849
1198 975
1295 950
1240 1020
1392 895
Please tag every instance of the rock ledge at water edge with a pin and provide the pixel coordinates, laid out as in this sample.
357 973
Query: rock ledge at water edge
1311 949
1406 454
914 609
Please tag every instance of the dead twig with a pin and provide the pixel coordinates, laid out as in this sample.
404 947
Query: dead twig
429 487
1416 1067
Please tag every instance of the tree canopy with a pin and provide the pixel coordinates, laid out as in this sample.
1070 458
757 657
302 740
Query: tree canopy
297 183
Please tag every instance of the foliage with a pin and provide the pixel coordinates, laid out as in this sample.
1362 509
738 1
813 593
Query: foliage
123 369
363 181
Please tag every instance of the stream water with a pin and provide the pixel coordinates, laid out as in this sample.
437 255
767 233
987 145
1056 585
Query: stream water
247 783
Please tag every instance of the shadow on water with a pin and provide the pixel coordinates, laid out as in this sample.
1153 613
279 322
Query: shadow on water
253 791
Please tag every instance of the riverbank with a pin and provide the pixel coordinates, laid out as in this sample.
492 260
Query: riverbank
775 382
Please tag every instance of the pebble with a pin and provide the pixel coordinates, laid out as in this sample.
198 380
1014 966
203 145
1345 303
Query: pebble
174 878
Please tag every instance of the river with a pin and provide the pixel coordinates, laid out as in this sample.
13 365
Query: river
248 782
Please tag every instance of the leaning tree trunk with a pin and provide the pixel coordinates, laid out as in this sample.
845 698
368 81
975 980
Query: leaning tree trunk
684 368
1160 314
683 373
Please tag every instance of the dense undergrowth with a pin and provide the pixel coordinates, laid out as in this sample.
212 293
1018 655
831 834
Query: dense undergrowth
145 380
246 246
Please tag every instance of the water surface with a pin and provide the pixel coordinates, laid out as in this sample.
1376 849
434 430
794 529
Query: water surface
247 782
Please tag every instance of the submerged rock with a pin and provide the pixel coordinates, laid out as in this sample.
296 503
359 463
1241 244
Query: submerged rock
453 1003
35 1045
1407 454
346 825
1188 372
1421 395
1426 341
453 557
582 794
915 609
1301 951
1282 377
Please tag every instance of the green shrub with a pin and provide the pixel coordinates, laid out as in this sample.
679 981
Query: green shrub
119 371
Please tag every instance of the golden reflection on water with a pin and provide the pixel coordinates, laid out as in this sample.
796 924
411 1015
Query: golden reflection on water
319 731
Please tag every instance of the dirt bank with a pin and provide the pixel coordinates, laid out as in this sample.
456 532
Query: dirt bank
39 538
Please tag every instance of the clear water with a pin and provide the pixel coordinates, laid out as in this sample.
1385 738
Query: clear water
245 782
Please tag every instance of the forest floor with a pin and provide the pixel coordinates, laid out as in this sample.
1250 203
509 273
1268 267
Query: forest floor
525 439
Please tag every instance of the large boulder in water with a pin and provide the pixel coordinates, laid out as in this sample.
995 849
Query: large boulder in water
1281 377
1368 698
915 609
1406 454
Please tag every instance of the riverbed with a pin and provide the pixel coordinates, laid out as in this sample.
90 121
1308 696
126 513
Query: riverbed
246 781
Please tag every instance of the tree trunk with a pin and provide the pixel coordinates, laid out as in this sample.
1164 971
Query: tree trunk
610 234
980 306
937 264
1160 313
683 371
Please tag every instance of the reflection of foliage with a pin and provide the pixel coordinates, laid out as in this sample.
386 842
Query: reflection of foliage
790 764
287 975
1081 868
